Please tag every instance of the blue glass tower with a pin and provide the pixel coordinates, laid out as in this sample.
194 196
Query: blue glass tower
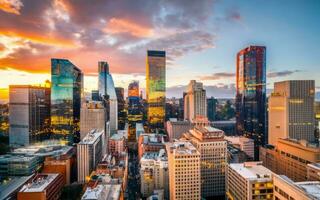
66 92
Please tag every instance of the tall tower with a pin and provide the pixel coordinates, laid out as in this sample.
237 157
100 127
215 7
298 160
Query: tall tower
291 111
156 88
251 95
66 92
195 101
107 92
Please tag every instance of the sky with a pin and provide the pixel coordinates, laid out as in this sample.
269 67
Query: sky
201 40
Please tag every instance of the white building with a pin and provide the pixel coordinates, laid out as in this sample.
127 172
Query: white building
89 153
244 144
103 192
154 173
249 180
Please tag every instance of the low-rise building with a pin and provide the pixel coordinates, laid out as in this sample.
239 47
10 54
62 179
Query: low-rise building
117 144
176 128
244 144
150 142
10 186
19 165
103 192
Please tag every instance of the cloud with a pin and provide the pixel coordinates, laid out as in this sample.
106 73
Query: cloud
11 6
217 76
281 73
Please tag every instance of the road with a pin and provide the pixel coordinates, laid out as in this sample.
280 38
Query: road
133 177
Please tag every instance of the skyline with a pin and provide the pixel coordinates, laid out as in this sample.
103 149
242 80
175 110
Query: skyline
121 33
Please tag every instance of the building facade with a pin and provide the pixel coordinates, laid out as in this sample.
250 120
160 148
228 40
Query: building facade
176 128
122 114
251 95
156 88
66 93
244 144
211 108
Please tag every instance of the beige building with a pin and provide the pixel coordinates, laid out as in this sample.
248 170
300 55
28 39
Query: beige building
248 181
285 188
291 111
244 144
313 172
176 128
195 101
212 146
290 157
184 171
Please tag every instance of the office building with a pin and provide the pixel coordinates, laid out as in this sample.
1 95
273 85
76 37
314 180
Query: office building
156 88
244 144
249 180
117 144
291 111
103 192
92 117
290 158
184 171
212 108
317 120
150 143
176 128
154 173
66 93
212 147
42 186
18 165
251 95
10 186
107 92
95 95
195 101
122 114
29 118
133 89
285 188
89 153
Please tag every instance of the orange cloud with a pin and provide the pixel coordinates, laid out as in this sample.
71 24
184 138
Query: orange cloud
125 26
11 6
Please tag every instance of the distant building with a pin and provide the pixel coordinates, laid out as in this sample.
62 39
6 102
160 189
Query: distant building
251 115
95 95
156 88
317 120
229 127
42 186
195 101
121 108
89 153
176 128
211 108
139 130
249 180
133 89
150 143
103 192
66 93
184 169
29 118
244 144
313 172
291 108
285 188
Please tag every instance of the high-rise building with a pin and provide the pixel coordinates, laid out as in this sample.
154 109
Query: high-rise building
89 153
133 89
251 95
154 173
29 108
156 88
95 95
121 108
66 92
176 128
291 111
184 171
107 93
212 146
249 180
211 108
195 101
92 117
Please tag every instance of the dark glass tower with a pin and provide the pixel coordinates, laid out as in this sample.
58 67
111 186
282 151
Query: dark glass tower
121 108
211 108
66 92
251 95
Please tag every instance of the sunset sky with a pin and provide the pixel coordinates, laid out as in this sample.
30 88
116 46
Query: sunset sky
201 39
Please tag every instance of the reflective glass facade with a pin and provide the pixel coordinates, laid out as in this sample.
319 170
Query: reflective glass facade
66 92
133 89
251 95
156 88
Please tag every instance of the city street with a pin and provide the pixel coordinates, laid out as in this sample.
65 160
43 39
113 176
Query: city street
133 177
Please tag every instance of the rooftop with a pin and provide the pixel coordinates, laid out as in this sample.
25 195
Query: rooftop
107 192
39 183
182 147
17 158
43 150
11 185
311 188
252 171
92 136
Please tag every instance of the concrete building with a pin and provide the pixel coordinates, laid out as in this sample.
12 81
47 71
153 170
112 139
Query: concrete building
244 144
93 116
195 101
285 188
290 158
184 171
117 144
212 147
103 192
291 111
176 128
89 153
150 143
18 165
42 187
154 173
313 172
29 118
249 180
229 127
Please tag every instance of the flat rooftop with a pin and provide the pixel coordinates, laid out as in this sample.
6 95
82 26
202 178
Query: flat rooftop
39 183
182 147
252 171
107 192
311 188
91 137
11 185
16 158
43 150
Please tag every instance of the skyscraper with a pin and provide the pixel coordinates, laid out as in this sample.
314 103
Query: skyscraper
29 114
156 88
133 89
66 92
211 108
251 95
195 101
108 93
121 108
291 111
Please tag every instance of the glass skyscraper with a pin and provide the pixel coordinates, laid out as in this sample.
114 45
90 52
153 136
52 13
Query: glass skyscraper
108 93
251 95
66 92
156 88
